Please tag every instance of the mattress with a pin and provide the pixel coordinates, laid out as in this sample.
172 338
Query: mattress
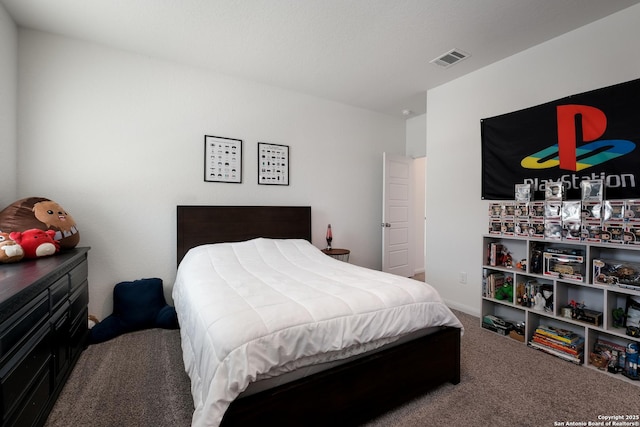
259 309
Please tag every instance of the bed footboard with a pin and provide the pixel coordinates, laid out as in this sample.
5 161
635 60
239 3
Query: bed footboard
353 393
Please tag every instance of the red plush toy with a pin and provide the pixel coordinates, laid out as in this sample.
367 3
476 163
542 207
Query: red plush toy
36 243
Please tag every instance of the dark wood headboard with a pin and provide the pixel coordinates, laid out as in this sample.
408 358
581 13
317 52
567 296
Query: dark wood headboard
199 225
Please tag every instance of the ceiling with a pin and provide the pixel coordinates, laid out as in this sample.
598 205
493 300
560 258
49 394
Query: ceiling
373 54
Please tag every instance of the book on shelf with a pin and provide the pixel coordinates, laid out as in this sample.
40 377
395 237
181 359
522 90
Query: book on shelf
573 349
562 355
576 345
493 281
495 254
559 334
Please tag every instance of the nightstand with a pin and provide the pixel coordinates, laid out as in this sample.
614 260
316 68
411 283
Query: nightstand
339 254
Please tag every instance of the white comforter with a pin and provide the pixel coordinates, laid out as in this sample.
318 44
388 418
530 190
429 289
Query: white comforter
255 309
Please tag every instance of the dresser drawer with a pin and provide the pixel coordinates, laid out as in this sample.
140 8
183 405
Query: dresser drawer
34 404
79 300
60 342
21 324
59 291
17 376
79 333
79 275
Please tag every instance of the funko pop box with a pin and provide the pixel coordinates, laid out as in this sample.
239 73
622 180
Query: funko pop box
615 272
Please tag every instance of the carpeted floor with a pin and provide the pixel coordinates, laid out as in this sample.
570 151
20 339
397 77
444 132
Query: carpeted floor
138 380
505 383
135 380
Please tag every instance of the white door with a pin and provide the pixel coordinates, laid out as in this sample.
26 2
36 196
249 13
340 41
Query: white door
397 212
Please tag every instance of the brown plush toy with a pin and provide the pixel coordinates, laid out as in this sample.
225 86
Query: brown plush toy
10 251
40 213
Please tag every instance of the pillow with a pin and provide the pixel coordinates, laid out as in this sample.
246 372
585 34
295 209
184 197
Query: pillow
136 305
43 214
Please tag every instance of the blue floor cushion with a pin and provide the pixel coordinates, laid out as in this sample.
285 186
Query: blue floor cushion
136 305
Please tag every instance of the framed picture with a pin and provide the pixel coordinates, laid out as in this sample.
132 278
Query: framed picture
273 164
222 159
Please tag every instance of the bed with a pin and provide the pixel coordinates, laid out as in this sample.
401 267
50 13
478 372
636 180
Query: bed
320 367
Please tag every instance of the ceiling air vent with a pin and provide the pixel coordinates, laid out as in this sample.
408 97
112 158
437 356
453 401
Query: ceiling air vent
452 57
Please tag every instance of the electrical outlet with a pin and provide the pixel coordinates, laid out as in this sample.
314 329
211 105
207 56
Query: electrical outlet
463 277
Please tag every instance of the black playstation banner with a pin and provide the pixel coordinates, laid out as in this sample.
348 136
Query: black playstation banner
593 135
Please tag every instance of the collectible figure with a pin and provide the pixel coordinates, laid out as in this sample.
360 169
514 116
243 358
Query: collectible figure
539 302
536 209
592 189
612 272
618 316
554 191
522 210
632 361
536 261
591 210
564 263
628 237
571 211
495 210
509 228
613 210
632 210
553 230
547 294
522 228
523 192
591 232
633 316
495 227
632 234
572 230
616 232
508 210
537 229
553 210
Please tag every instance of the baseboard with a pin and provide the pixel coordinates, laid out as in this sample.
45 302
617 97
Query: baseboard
473 311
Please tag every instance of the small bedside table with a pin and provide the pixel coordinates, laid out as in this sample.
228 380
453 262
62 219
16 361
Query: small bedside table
339 254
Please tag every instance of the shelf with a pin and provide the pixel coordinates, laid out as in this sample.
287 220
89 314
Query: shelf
557 275
609 374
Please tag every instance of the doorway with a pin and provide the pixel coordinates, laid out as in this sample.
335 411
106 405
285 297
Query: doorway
403 224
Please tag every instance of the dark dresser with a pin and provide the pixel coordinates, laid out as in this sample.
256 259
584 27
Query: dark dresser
43 330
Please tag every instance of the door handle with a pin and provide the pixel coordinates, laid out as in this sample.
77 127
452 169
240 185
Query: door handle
385 224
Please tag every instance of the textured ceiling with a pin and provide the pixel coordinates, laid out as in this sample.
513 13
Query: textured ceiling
372 54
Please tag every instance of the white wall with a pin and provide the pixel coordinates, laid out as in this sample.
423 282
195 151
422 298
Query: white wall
8 105
416 136
594 56
117 140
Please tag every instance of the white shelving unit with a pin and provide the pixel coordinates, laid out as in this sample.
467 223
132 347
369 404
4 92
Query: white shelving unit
598 297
